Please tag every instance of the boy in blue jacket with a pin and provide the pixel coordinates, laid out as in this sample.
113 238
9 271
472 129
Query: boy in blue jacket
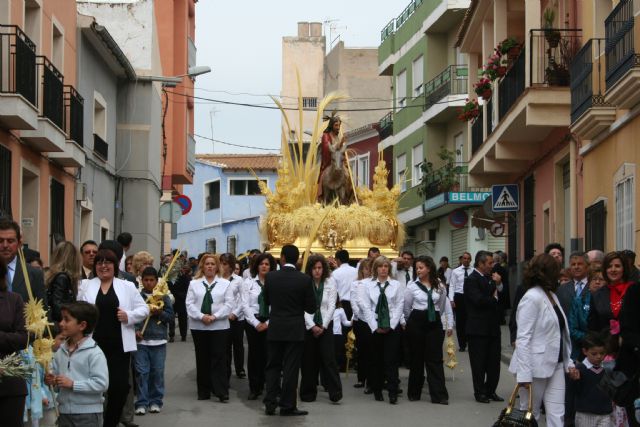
152 349
79 369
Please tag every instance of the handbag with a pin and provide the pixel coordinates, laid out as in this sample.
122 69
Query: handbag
514 417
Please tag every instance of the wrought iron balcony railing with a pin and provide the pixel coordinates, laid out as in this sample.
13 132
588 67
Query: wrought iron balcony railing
17 63
552 52
451 177
477 137
52 91
386 125
620 51
583 94
452 81
73 114
511 86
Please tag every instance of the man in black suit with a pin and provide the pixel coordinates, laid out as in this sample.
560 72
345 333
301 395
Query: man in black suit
483 327
88 252
10 241
289 294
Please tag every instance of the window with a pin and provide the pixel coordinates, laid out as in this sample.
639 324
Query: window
401 89
363 170
33 21
624 214
104 234
244 187
595 223
309 102
212 195
458 143
418 75
99 116
57 213
5 181
401 166
57 47
231 244
418 158
211 246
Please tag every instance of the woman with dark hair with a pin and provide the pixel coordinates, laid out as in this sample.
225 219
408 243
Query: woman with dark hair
425 304
13 338
62 279
543 344
319 352
236 318
121 307
256 314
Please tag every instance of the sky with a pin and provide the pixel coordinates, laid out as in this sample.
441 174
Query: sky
242 43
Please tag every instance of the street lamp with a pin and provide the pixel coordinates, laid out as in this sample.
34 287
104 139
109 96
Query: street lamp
174 81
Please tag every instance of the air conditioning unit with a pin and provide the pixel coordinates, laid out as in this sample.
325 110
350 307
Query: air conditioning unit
81 192
429 235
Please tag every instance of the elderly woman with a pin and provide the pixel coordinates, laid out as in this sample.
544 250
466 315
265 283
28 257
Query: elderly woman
209 302
543 344
139 262
382 303
121 307
13 338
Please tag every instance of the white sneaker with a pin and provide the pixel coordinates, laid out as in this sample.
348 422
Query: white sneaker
154 409
141 411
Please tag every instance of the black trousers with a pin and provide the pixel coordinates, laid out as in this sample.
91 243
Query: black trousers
364 341
119 364
236 342
319 354
181 312
461 320
283 365
12 410
211 362
257 358
340 351
384 352
346 305
484 358
425 344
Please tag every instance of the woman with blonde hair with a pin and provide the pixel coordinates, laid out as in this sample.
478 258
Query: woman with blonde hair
62 278
360 327
139 262
209 302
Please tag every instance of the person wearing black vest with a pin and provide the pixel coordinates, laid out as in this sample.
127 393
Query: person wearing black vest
483 327
290 294
425 304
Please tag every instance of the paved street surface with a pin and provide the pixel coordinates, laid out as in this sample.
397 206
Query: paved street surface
356 409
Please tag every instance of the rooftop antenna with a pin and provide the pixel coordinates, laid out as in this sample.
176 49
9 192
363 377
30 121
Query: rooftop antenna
212 113
333 26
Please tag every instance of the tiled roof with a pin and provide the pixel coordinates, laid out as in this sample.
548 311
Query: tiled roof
464 26
241 161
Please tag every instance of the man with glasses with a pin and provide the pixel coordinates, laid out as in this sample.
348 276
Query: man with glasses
88 251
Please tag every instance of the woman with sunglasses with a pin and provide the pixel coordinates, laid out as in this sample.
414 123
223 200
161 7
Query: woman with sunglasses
121 307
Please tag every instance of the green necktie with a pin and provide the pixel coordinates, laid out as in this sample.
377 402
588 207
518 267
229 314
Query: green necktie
407 276
207 301
317 317
263 310
431 309
382 308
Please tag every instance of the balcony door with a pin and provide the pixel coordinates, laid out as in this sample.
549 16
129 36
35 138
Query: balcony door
30 208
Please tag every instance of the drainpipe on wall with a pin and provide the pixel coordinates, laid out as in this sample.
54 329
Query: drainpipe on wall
573 194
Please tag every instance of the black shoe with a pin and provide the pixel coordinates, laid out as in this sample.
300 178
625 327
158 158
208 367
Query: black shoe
440 402
172 339
253 396
393 399
335 398
223 399
481 398
203 397
308 399
413 398
378 397
270 410
400 391
358 385
241 375
292 412
496 398
368 390
183 339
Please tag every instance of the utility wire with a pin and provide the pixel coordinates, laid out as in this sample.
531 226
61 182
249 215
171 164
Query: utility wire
235 145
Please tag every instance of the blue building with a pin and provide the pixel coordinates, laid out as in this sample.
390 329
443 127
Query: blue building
227 204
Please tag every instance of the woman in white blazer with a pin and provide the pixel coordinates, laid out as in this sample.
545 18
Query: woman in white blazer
256 313
209 302
360 327
543 345
236 318
121 307
381 305
319 351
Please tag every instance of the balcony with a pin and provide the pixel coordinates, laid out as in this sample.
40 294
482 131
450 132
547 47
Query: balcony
100 147
477 137
623 64
49 135
73 154
18 107
446 178
590 113
511 86
386 126
191 154
445 93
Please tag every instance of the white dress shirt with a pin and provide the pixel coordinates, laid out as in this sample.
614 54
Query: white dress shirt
417 299
340 320
223 302
11 271
456 284
401 276
344 276
579 286
236 286
327 306
355 304
447 275
368 298
251 290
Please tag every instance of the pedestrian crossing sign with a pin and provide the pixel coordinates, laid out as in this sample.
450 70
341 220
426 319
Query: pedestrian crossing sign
505 198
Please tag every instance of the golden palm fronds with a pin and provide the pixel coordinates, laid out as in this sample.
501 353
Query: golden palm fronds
452 362
35 317
156 300
349 346
43 351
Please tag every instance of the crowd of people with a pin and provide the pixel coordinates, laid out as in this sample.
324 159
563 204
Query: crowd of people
569 327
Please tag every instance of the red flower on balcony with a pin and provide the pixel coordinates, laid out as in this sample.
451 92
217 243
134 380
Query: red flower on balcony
483 88
469 111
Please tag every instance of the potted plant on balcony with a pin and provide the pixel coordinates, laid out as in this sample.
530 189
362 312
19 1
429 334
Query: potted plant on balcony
511 48
483 88
495 69
469 111
551 34
449 171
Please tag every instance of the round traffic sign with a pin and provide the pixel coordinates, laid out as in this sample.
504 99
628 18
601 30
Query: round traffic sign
458 218
184 202
497 229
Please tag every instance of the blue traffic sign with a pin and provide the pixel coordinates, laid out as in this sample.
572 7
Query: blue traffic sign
505 198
